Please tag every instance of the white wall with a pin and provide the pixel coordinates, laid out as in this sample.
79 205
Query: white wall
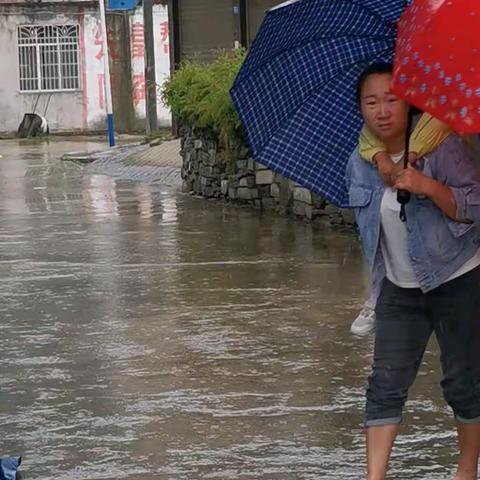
66 110
162 61
83 109
93 76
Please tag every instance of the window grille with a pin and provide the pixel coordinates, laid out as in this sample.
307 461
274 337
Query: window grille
48 57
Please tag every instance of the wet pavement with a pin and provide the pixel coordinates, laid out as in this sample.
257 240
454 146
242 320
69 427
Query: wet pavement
151 335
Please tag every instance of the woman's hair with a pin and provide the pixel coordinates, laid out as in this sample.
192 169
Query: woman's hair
379 69
376 68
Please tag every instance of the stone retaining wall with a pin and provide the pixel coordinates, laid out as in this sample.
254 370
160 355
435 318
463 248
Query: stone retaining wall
208 171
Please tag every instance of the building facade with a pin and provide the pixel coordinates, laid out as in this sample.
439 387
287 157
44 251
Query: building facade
200 27
52 64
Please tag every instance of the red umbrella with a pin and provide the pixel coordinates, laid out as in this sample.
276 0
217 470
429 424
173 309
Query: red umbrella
437 60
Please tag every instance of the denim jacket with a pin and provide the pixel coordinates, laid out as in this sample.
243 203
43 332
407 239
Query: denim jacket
437 245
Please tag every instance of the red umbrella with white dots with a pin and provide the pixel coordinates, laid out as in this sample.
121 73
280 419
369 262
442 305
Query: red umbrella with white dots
437 61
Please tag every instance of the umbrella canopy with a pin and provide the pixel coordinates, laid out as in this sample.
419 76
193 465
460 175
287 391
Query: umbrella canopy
437 62
296 92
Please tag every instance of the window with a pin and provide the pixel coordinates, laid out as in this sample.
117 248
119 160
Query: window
48 57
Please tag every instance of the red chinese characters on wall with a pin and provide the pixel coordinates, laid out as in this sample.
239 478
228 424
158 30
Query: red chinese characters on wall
112 48
138 43
138 88
164 37
101 90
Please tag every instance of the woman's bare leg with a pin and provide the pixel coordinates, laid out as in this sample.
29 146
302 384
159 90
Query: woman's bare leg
379 446
469 443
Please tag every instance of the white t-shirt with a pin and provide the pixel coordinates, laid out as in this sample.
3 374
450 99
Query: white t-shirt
394 243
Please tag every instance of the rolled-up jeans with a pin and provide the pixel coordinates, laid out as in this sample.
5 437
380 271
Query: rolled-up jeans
405 320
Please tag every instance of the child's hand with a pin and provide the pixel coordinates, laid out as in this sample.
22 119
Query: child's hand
412 158
387 169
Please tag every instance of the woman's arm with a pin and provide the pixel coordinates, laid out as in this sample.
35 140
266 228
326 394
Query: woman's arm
443 197
453 166
456 186
416 182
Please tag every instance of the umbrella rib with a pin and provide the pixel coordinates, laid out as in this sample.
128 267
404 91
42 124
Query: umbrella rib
376 14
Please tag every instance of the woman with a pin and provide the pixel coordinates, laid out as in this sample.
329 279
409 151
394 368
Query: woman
429 268
428 134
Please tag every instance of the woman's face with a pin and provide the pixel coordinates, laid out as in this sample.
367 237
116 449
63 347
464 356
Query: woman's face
383 111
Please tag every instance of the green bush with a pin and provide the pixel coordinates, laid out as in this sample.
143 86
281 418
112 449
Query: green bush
199 95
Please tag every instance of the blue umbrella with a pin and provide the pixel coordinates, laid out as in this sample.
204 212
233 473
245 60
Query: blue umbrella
8 467
296 91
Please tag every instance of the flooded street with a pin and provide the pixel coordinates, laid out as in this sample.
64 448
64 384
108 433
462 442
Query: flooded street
151 335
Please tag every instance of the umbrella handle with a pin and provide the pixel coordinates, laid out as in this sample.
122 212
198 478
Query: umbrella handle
403 196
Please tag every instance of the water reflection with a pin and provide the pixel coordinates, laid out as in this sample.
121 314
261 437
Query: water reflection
100 195
151 335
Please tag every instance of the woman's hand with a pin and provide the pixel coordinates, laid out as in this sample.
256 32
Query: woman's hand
413 181
416 182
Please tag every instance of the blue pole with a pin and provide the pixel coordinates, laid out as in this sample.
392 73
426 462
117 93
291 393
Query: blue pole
106 67
111 130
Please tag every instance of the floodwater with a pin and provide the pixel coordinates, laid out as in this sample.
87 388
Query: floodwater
150 335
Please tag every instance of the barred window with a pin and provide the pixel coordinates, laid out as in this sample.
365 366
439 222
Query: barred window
48 57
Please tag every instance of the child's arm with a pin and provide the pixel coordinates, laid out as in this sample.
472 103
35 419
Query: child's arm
427 136
370 145
374 151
